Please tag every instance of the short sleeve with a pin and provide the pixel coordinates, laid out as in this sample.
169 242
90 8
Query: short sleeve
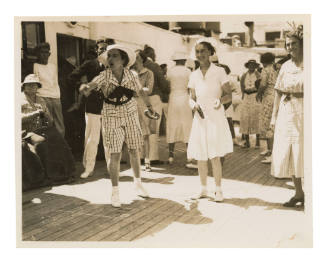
278 84
264 78
191 81
223 78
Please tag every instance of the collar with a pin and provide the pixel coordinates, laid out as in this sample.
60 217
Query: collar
144 70
150 58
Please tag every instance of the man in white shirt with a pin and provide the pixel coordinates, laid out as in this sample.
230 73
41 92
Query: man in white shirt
49 91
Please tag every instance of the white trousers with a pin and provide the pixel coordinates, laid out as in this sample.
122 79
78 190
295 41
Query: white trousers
92 138
154 147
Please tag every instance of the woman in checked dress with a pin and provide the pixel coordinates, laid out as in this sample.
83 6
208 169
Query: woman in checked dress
210 137
120 118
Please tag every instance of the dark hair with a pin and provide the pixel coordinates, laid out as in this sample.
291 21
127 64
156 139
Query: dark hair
267 58
142 55
148 50
163 66
226 67
209 47
124 57
108 41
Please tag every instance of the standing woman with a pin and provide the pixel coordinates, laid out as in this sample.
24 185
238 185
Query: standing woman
180 118
287 118
146 79
120 118
266 96
210 137
249 120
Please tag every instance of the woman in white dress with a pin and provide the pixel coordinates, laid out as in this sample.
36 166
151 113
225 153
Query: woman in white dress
210 136
180 118
287 118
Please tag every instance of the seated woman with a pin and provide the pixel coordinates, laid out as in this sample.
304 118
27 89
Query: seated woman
40 139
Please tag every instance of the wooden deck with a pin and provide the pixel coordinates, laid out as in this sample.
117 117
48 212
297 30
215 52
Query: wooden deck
250 216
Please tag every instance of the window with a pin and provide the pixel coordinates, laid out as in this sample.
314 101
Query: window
272 36
32 34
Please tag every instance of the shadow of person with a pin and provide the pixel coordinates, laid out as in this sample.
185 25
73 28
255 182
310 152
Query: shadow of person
67 218
161 180
251 202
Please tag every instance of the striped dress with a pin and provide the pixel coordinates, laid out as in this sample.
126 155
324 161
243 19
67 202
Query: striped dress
287 155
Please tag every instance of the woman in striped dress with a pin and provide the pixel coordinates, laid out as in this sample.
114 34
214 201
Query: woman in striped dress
287 118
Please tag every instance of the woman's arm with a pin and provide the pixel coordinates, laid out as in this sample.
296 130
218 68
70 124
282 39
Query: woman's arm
278 96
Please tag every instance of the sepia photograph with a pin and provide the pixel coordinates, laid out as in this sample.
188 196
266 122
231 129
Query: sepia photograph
163 131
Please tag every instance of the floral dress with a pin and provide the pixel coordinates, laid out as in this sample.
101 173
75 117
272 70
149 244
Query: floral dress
250 108
268 80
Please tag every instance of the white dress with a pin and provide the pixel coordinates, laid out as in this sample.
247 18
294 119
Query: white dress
287 154
180 118
210 137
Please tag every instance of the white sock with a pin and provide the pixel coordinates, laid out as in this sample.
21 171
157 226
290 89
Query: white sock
115 189
137 180
204 188
146 160
218 189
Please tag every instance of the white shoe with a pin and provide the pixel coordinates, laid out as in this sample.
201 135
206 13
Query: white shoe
191 165
86 174
170 160
115 202
202 194
267 160
263 153
219 196
141 191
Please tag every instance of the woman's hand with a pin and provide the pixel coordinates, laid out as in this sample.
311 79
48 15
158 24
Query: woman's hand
272 124
217 104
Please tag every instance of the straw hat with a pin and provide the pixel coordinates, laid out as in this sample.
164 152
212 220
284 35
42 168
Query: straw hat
31 78
103 58
251 61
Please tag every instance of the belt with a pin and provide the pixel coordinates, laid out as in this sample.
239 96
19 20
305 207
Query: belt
114 101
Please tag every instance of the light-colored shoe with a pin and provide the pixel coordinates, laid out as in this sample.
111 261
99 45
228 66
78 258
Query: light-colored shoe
148 167
219 196
267 160
170 160
202 194
140 190
263 153
86 174
191 165
115 201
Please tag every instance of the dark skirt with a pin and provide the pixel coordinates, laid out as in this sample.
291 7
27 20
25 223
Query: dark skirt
52 157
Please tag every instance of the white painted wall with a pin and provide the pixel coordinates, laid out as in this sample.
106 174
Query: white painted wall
136 35
132 34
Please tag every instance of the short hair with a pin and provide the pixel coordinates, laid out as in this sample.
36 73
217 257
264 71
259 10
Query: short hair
209 47
148 50
267 58
124 56
108 41
163 65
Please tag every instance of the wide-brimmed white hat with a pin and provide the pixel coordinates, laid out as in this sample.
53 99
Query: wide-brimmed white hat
31 78
103 58
179 56
210 40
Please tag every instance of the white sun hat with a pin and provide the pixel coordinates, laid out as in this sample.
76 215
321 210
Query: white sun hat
210 40
103 58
